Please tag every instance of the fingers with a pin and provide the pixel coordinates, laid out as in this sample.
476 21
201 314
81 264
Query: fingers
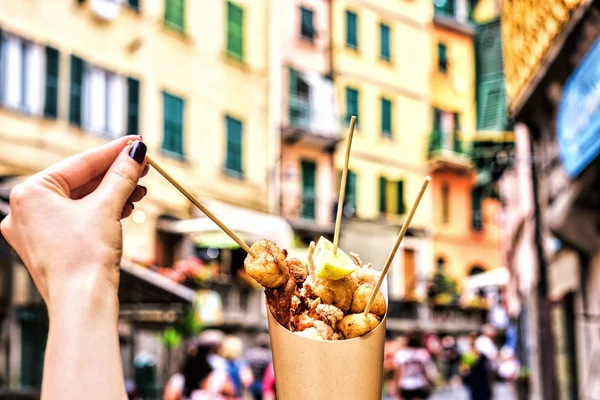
122 178
127 210
82 191
79 169
138 194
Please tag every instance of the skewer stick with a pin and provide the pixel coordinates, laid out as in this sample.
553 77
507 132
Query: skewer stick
338 219
197 203
388 262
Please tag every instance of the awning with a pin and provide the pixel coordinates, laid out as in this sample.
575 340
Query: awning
496 277
141 285
250 225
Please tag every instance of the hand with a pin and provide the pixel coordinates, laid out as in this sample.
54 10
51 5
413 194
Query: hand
65 221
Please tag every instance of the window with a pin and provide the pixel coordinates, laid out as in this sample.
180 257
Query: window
133 106
309 195
442 57
352 104
382 195
175 14
307 30
51 90
172 124
445 203
386 117
233 157
444 8
384 42
446 126
134 4
350 192
102 100
400 205
75 90
351 30
476 214
299 101
21 76
235 31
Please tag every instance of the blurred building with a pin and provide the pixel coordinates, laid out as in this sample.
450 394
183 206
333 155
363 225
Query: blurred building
192 78
552 55
381 76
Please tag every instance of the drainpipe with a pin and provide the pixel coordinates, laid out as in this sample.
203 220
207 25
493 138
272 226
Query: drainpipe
274 105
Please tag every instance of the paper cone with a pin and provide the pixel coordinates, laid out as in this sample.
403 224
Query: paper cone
307 369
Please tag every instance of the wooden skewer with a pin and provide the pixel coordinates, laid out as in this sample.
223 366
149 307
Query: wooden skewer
197 203
388 262
338 219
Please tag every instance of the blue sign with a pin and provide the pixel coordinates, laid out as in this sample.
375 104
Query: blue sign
578 121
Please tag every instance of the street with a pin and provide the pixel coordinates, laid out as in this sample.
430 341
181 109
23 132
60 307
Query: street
501 392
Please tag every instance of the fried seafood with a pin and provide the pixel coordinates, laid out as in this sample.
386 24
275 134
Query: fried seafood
313 307
361 297
269 268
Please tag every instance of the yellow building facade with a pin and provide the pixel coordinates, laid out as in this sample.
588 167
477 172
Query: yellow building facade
204 64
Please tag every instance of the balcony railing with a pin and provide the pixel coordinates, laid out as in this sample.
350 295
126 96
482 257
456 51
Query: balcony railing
444 144
308 207
241 305
406 316
299 110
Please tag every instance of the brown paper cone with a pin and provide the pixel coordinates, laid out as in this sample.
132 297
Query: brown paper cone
307 369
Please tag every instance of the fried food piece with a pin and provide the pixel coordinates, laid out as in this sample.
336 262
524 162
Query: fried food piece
325 330
356 259
366 275
301 322
310 333
279 301
270 268
297 269
311 263
361 297
338 293
329 314
355 325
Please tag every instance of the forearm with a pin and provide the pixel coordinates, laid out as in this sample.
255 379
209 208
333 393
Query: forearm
82 355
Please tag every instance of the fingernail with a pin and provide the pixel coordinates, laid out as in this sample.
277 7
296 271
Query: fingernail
145 190
141 137
131 204
138 151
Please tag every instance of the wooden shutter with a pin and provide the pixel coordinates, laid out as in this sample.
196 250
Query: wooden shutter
351 30
134 4
476 213
351 187
386 117
400 206
233 157
442 57
76 90
382 194
133 106
173 124
492 106
235 31
307 29
175 14
384 33
351 104
308 189
52 74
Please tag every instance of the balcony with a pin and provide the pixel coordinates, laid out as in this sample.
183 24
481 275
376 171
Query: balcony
308 126
447 150
242 306
406 316
454 14
308 212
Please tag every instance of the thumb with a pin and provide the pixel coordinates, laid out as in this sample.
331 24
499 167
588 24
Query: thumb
122 177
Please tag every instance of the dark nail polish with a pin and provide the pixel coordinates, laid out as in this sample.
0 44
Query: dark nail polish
145 190
138 151
141 137
131 204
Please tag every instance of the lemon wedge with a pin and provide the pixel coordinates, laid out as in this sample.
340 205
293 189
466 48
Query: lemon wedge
332 266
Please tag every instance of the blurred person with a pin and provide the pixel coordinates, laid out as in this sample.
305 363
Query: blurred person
414 370
389 371
65 225
451 358
258 358
485 343
268 388
238 371
477 373
197 379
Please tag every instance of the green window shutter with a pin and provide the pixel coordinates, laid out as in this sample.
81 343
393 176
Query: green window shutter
384 42
233 156
382 194
307 29
386 117
51 92
491 101
442 57
400 207
351 104
309 194
444 8
350 191
175 14
351 30
488 50
134 4
235 31
133 106
172 124
476 214
76 90
445 203
456 135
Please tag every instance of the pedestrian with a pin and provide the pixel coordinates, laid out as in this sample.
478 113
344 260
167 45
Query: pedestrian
65 225
414 370
477 372
451 359
198 379
268 389
238 371
258 358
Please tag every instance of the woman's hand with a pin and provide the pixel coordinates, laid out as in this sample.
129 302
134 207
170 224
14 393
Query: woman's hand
65 221
65 225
